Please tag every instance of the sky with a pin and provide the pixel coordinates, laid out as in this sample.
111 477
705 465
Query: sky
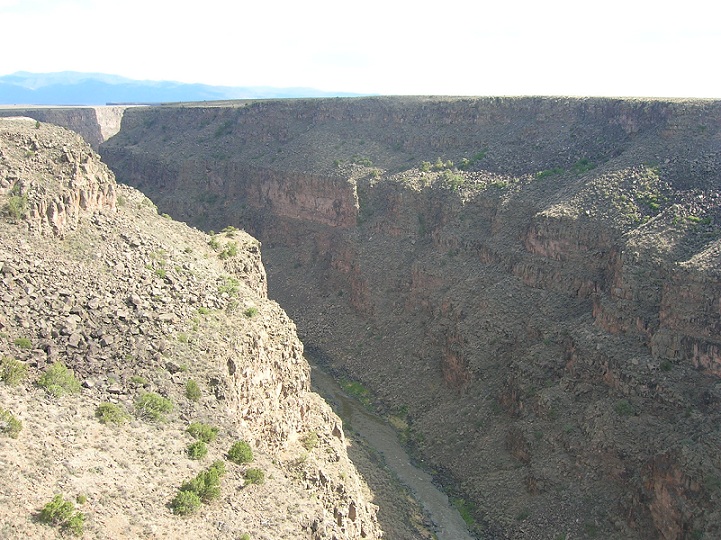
393 47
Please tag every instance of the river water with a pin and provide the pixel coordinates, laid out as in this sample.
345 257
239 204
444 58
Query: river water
447 522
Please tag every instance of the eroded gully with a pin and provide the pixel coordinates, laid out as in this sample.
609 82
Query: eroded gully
447 522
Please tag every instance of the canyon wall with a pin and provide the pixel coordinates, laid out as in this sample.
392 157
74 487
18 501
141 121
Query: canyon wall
95 124
530 285
155 324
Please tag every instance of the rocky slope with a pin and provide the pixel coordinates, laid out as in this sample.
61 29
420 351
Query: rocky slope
136 304
541 315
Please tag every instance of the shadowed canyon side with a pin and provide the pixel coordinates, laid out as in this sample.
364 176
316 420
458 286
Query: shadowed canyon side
123 338
529 286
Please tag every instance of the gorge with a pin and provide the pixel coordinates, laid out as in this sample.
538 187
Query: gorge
529 288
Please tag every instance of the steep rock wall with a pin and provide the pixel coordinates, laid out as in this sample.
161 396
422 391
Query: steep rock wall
543 319
94 124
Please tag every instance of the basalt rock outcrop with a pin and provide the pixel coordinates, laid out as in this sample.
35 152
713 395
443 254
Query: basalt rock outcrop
135 303
531 283
95 124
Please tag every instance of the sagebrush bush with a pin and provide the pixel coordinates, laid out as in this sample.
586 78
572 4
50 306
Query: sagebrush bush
9 425
192 390
12 372
624 408
23 343
185 502
62 513
254 476
206 485
110 413
59 380
203 432
152 406
310 441
219 466
240 453
197 450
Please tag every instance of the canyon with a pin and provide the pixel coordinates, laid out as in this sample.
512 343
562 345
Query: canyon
529 289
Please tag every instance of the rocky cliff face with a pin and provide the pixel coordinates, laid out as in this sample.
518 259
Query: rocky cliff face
531 283
95 124
135 305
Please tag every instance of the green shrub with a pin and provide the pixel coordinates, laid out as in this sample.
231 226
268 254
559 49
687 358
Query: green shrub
16 206
197 450
624 408
192 390
439 165
152 406
468 163
59 380
9 425
81 499
110 413
219 466
203 432
12 372
61 513
251 312
452 180
185 502
254 476
358 391
240 453
23 343
361 160
466 509
550 172
583 165
206 485
310 441
203 488
137 379
229 286
230 250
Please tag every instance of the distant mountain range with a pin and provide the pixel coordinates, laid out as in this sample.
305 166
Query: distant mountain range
75 88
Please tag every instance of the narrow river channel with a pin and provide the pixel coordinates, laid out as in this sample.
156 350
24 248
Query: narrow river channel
446 522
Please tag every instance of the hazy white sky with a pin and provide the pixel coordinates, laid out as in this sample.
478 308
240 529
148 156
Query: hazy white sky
456 47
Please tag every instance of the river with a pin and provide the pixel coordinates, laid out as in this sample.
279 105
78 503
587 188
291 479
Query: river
445 520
